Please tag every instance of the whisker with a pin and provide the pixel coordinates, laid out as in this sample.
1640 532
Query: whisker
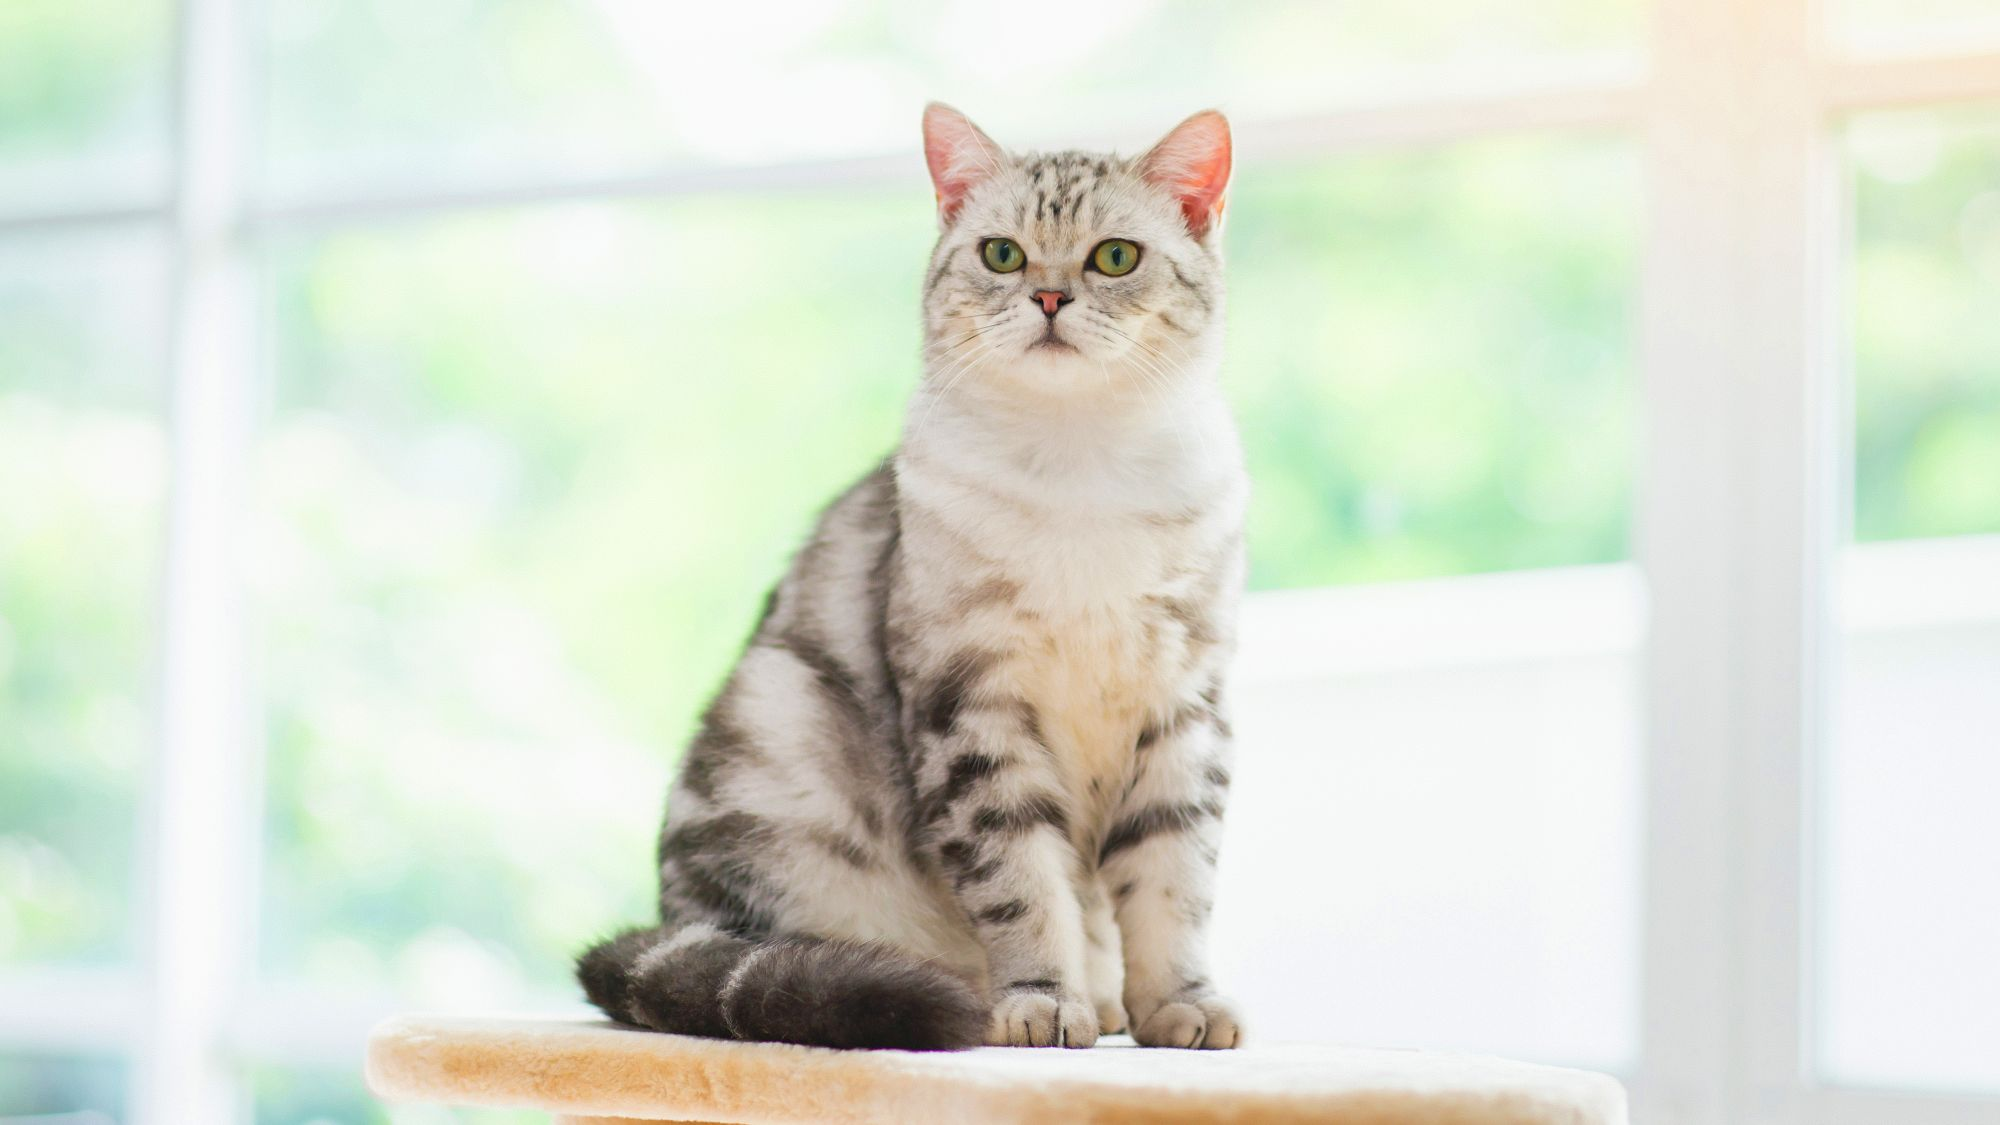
1153 365
944 348
956 369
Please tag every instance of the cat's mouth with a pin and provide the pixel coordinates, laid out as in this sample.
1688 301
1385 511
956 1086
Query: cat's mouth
1049 339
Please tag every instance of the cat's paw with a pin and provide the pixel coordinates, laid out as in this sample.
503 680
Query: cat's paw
1041 1019
1208 1022
1111 1016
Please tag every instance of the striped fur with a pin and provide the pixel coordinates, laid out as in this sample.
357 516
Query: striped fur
966 781
700 980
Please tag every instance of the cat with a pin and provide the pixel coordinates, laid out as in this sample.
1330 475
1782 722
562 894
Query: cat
965 783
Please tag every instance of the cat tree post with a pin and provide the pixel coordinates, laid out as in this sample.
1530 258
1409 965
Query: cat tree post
585 1071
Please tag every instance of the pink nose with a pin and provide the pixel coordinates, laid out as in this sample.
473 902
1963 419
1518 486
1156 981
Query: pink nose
1051 299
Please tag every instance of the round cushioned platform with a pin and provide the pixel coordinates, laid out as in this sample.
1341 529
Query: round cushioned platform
581 1069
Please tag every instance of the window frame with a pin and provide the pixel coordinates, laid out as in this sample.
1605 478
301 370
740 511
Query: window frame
1741 508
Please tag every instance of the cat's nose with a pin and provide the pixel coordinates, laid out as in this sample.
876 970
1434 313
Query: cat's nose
1051 300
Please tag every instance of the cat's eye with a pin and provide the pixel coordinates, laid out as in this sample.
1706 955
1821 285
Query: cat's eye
1115 257
1002 255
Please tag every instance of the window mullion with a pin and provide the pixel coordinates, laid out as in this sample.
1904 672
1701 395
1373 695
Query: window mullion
202 825
1795 493
1734 537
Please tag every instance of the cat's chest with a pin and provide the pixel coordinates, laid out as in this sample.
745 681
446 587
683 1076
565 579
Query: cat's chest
1094 681
1089 577
1115 621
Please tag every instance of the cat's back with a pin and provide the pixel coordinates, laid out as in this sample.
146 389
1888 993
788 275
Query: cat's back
830 602
809 702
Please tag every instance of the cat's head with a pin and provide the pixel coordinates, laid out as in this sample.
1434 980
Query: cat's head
1074 273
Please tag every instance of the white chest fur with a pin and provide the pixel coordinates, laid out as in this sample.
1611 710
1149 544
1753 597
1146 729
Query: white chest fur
1093 681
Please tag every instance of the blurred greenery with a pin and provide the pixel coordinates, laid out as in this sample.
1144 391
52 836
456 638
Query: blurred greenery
1431 359
89 1087
1923 297
83 101
82 467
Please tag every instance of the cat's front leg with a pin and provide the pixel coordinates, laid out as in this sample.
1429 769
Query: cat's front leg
1158 857
998 824
1104 960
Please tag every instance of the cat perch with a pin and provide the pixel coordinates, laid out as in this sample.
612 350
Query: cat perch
587 1072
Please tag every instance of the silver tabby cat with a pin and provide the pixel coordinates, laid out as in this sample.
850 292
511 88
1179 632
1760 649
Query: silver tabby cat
966 782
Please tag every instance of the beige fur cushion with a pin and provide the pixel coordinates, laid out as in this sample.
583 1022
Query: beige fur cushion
580 1067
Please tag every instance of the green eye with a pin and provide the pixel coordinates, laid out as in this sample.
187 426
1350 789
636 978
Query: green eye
1114 257
1002 255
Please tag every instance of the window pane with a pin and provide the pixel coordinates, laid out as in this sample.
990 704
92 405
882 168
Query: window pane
83 466
1433 829
1431 357
1910 917
1926 344
366 93
83 102
518 508
86 1091
1910 914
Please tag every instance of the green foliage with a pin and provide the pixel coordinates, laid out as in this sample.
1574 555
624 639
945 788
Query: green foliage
82 480
1925 287
82 94
1431 359
73 68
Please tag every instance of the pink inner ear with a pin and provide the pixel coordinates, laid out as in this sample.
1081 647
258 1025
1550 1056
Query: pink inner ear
960 156
1193 163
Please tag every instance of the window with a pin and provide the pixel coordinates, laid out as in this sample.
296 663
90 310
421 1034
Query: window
380 387
1909 984
85 103
81 421
1383 728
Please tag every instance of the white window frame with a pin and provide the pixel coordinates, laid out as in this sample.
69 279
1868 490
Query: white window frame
1739 513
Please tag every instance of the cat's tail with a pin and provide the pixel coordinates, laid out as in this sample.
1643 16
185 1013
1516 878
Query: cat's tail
695 979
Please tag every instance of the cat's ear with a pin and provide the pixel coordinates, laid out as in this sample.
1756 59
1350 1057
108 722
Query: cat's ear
1192 163
959 155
